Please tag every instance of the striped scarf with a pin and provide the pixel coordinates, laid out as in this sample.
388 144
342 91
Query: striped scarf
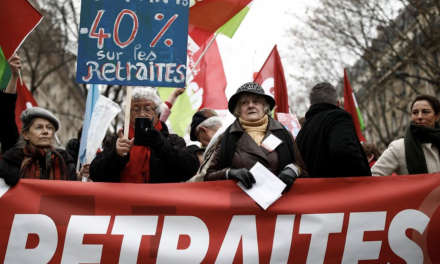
45 164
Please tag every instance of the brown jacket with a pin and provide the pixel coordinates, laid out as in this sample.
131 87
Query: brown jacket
247 153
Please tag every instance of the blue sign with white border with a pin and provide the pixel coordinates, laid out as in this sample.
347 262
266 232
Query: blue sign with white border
133 42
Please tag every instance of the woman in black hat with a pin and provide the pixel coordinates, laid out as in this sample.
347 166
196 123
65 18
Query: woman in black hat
34 156
255 137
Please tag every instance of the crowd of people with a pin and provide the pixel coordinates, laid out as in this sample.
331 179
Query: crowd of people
326 146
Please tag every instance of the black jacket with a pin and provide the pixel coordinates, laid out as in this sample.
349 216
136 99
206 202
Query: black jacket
173 163
11 163
8 128
328 144
73 149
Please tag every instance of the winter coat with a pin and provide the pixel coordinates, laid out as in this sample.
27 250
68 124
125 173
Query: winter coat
247 153
73 149
12 160
173 163
208 155
393 159
9 130
329 145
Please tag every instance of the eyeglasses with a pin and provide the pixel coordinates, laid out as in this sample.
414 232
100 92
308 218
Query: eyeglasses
137 110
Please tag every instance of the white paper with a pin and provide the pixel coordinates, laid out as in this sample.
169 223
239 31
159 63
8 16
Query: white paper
268 187
271 142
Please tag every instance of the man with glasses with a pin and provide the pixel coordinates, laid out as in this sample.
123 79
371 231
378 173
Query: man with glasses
153 156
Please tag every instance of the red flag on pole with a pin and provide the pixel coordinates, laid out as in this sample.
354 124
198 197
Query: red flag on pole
271 77
207 16
209 76
24 101
351 106
18 18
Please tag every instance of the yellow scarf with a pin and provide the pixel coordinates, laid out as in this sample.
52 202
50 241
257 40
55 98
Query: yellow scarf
255 129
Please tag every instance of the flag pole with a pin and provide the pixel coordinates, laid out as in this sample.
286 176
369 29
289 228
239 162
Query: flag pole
127 111
200 58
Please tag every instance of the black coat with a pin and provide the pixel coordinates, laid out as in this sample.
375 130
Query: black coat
8 128
329 145
173 163
73 149
11 163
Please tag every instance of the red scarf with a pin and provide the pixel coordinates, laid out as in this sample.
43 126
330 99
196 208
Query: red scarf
55 168
137 169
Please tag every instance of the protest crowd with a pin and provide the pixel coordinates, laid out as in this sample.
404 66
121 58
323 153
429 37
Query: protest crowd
329 143
326 144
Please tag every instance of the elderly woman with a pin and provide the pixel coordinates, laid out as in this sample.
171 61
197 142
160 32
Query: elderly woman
153 156
34 156
418 151
255 137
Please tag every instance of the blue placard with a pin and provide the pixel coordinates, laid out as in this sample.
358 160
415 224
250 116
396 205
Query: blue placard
133 42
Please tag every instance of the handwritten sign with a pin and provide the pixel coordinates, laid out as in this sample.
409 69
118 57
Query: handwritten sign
133 42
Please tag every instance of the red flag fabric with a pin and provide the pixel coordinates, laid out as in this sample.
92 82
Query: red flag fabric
24 101
18 18
271 77
207 16
210 76
350 106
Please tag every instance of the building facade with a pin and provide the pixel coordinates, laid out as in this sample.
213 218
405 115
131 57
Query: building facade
401 63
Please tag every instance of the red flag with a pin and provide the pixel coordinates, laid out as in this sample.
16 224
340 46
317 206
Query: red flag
207 16
271 77
24 101
210 76
17 19
351 107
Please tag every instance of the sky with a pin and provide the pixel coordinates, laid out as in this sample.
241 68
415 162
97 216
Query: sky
264 26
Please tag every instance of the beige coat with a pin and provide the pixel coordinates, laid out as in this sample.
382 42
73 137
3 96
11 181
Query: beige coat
394 159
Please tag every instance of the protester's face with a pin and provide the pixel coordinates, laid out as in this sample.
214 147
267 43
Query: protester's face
40 133
251 107
204 135
423 114
143 108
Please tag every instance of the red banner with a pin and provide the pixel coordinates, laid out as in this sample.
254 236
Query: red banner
346 220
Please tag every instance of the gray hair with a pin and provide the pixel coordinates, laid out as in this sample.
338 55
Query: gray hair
147 93
266 105
324 92
212 123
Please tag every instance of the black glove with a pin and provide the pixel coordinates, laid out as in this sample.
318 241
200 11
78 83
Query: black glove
150 138
288 176
242 175
10 178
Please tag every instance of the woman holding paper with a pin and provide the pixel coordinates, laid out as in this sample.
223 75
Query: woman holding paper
34 156
255 137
